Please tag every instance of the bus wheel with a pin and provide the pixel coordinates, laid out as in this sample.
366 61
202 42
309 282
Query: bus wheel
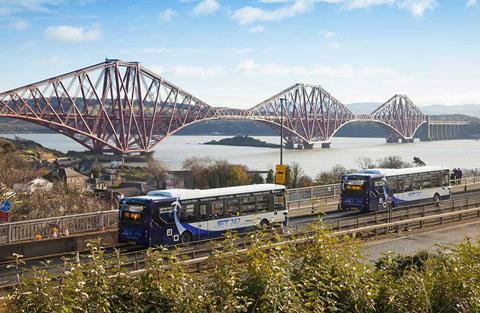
264 224
436 199
186 236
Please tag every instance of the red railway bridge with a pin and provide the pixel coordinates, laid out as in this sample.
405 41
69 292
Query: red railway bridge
122 107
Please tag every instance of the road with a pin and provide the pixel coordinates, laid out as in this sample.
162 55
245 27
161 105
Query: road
427 240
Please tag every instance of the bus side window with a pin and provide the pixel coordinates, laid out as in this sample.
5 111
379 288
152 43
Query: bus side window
217 209
202 211
407 184
247 205
279 202
188 214
163 216
232 208
263 203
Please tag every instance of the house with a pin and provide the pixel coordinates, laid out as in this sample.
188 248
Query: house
97 185
33 185
85 166
73 179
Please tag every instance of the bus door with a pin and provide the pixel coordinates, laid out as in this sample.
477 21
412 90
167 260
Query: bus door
202 218
377 195
164 230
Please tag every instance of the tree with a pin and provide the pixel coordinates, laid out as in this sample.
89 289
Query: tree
199 169
270 177
238 175
332 177
158 172
296 172
257 178
365 162
418 162
392 161
305 181
338 171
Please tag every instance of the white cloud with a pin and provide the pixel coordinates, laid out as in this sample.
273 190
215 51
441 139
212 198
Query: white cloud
250 15
257 29
205 7
189 71
73 34
418 7
19 24
16 6
252 68
471 3
290 8
361 4
328 34
167 15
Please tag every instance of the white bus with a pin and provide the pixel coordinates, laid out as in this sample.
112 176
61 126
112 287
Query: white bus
168 217
373 189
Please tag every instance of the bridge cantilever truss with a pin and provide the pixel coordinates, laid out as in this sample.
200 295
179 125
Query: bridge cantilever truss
112 106
122 107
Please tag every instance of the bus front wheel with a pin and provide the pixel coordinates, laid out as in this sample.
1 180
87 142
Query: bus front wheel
264 224
186 236
436 199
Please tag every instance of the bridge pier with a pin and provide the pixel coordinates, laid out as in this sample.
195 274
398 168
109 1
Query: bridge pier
393 140
289 145
326 145
307 146
409 140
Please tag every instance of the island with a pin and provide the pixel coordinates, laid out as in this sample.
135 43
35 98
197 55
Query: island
244 141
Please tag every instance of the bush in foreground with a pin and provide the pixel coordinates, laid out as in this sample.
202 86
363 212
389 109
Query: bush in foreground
327 275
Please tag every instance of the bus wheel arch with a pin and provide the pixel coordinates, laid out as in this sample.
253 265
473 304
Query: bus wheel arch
264 224
436 198
186 236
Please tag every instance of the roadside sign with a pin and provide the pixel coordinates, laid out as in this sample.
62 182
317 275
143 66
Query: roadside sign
280 170
4 209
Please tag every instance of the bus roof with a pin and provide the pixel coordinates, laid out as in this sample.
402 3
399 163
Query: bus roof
401 171
185 194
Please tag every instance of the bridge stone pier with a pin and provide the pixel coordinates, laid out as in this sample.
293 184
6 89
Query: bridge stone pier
122 107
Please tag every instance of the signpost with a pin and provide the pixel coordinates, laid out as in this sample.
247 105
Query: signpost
280 170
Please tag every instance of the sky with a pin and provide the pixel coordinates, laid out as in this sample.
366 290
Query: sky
239 53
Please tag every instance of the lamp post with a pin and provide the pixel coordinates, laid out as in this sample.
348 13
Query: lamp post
282 101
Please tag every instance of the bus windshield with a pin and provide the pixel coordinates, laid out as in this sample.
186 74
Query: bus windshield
132 212
354 184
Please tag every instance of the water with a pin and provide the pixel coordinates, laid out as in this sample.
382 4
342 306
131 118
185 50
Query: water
175 149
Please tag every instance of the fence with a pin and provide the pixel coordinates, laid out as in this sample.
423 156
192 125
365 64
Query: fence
71 224
298 198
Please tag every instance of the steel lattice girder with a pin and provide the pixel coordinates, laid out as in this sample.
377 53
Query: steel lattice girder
112 106
310 113
122 107
401 115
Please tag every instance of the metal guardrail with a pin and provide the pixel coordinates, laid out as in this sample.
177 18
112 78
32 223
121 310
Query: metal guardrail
306 193
65 225
297 199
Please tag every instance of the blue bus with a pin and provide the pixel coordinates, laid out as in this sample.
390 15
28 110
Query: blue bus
373 189
169 217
